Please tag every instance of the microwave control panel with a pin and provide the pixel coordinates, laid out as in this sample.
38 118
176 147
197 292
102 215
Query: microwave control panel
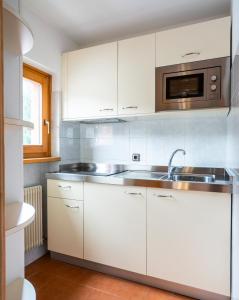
214 84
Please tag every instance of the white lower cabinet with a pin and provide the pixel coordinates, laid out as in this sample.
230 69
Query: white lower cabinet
188 238
65 226
177 236
115 226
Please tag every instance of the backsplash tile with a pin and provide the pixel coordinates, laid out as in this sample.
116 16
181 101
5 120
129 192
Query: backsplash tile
70 130
204 140
138 129
138 145
70 149
164 136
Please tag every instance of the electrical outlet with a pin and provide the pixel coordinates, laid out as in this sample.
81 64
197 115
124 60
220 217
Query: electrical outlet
135 157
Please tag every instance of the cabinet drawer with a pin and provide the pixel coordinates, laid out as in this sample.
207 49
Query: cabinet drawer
65 189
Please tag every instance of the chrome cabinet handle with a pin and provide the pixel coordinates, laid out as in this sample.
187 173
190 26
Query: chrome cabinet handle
130 107
67 187
133 193
71 206
106 109
191 53
163 196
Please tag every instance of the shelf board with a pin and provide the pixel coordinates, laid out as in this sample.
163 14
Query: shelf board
18 216
18 37
20 289
18 122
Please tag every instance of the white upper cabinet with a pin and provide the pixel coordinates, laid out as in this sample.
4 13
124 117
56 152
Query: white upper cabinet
136 75
90 82
195 42
119 78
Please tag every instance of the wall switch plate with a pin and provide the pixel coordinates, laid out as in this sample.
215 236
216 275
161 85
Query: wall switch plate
135 157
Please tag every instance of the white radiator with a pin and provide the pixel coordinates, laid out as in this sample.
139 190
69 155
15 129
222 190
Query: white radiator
34 232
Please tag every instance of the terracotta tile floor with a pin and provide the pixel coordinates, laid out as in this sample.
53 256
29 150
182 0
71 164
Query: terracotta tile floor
54 280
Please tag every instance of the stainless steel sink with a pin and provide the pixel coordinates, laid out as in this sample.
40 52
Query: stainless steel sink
162 176
194 177
141 175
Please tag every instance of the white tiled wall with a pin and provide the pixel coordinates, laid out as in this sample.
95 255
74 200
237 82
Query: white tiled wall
204 140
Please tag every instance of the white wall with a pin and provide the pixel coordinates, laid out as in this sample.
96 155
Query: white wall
49 44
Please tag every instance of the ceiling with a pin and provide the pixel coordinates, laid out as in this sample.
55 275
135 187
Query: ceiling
94 21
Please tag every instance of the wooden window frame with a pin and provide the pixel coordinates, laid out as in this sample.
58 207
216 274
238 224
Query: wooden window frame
45 79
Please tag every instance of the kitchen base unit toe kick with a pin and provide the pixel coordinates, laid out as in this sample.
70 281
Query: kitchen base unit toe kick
142 279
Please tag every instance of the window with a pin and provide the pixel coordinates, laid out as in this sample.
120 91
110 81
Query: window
36 109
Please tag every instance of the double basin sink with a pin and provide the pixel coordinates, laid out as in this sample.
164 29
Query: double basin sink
162 176
196 178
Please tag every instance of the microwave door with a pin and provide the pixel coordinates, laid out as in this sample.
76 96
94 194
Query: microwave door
183 87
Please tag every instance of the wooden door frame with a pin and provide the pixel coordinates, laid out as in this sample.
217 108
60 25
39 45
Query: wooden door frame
2 197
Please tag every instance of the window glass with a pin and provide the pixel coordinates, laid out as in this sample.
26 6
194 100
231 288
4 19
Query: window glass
32 111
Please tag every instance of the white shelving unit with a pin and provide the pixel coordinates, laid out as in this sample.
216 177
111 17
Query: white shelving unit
18 40
18 215
18 37
20 289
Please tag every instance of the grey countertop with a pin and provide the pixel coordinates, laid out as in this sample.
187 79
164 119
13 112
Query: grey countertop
143 176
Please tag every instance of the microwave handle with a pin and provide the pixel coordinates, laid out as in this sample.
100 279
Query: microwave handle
191 53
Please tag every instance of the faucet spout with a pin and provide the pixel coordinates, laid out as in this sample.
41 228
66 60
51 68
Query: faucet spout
170 168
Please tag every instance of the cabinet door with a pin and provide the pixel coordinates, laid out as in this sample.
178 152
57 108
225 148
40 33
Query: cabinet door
189 238
115 226
195 42
90 82
65 226
136 75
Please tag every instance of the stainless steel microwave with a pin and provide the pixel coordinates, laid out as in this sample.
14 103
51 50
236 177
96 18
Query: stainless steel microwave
201 84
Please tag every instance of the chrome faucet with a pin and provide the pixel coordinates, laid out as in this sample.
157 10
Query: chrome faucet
170 168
